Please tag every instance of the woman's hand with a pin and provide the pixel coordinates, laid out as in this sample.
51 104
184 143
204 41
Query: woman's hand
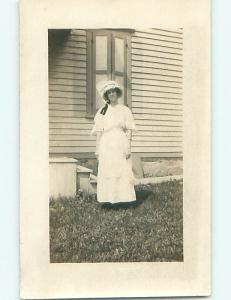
128 156
97 155
128 153
99 134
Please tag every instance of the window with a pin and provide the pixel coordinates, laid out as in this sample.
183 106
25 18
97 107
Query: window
108 58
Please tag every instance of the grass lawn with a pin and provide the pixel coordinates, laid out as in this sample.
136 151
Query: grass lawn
81 231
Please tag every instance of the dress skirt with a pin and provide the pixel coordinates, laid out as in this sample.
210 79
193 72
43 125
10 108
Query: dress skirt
115 181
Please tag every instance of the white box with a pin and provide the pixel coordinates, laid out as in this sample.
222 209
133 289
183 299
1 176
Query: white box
62 176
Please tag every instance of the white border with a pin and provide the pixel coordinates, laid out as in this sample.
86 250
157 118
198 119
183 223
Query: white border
39 279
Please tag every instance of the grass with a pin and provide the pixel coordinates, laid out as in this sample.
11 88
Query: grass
81 231
162 167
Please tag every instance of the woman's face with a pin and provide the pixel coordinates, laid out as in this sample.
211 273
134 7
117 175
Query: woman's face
112 95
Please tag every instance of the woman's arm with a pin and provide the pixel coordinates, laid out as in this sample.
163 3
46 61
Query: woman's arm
129 135
99 133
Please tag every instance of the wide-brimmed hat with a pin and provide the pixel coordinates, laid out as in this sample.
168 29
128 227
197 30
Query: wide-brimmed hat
108 86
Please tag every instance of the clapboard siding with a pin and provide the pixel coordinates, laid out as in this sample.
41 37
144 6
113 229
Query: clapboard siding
66 76
69 63
157 60
68 82
156 42
159 83
154 65
162 72
78 137
67 125
68 88
66 121
67 69
67 107
158 54
88 149
147 99
156 91
156 88
55 119
156 126
157 77
67 95
85 133
156 94
90 143
157 48
63 94
67 114
68 101
157 105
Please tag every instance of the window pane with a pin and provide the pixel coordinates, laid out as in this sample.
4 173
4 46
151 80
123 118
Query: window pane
100 81
101 53
119 54
120 81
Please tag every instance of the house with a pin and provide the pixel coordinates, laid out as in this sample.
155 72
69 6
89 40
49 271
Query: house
147 63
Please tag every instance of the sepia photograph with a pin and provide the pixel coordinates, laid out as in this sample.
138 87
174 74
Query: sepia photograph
115 145
115 149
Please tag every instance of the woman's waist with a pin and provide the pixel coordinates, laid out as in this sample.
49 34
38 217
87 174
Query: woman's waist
114 136
112 130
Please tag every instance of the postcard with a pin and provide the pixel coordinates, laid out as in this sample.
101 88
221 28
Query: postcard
115 148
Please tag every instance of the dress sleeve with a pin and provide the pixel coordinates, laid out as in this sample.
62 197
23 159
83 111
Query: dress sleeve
130 123
98 123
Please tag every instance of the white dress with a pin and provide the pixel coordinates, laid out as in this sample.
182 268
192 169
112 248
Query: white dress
115 181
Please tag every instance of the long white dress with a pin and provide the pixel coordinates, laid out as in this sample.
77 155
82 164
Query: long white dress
115 181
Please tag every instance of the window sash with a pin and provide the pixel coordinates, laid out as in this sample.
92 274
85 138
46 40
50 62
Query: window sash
110 72
123 36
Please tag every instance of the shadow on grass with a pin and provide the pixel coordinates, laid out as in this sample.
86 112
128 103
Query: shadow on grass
150 230
141 196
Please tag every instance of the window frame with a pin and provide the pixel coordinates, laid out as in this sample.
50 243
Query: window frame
91 65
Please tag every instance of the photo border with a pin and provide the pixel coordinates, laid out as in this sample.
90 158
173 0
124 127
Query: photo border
39 278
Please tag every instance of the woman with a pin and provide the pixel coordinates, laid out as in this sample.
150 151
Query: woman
113 125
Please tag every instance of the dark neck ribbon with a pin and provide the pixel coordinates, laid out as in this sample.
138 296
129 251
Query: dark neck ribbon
104 109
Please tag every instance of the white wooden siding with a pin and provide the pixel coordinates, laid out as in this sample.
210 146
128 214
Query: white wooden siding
156 82
157 90
69 129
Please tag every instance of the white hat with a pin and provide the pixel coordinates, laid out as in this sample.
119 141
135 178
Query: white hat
109 85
